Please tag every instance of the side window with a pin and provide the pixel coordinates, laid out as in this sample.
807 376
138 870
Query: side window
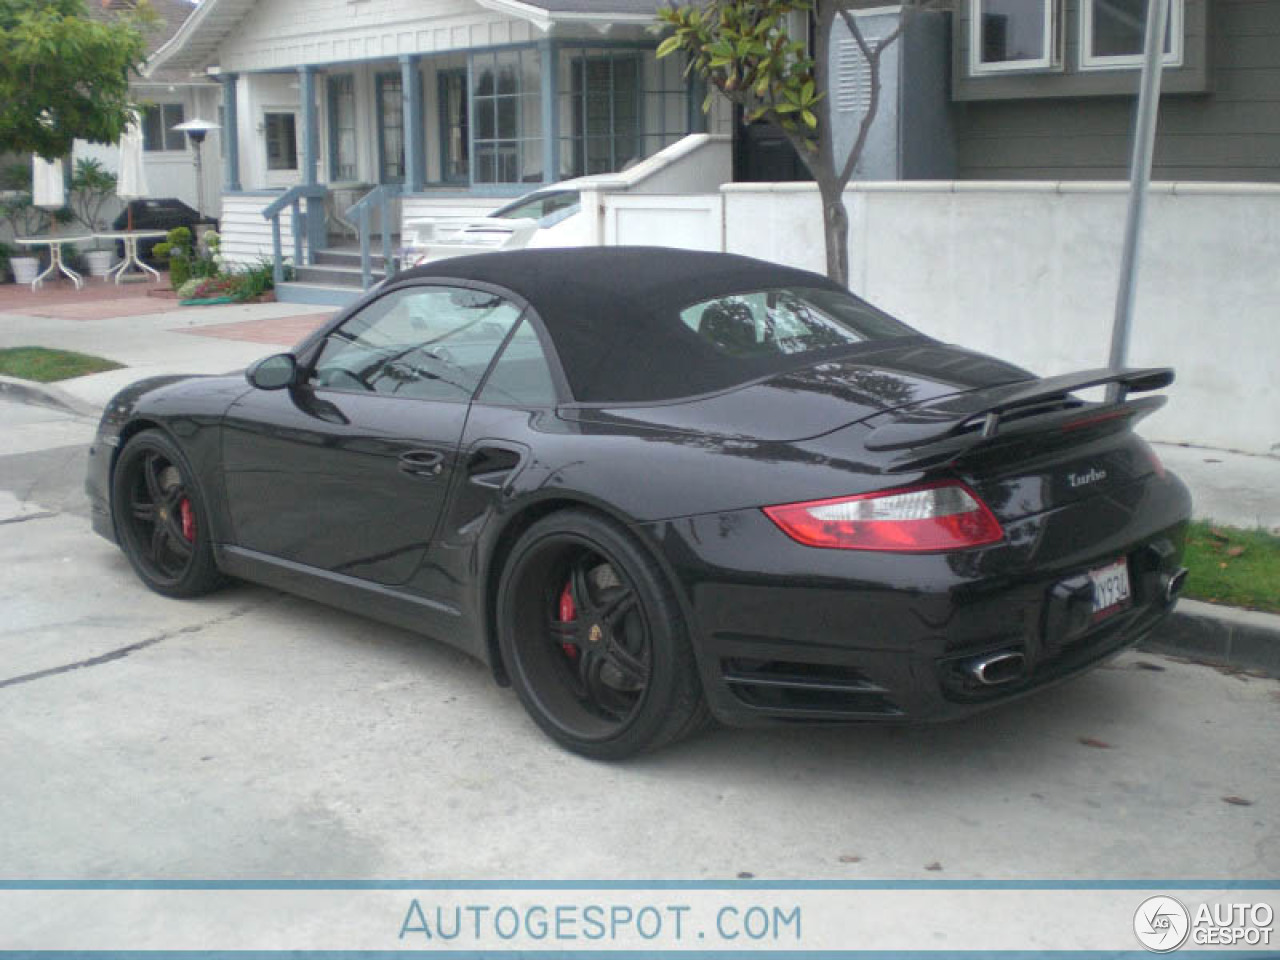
426 343
522 376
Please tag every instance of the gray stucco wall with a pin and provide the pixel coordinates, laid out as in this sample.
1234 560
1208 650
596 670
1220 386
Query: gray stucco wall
1048 130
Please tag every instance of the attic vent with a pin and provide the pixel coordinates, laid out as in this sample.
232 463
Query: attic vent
853 76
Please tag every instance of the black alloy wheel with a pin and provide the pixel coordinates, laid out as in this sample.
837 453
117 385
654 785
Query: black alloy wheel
159 518
594 640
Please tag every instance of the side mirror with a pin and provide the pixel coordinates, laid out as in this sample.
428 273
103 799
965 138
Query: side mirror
274 372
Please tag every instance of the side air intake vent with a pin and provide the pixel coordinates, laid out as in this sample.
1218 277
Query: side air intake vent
825 690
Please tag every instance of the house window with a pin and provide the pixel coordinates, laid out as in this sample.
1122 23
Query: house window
1008 35
604 104
342 127
158 121
1113 33
506 117
281 132
455 135
390 128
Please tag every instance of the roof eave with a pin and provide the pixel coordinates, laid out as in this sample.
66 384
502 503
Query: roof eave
544 19
171 52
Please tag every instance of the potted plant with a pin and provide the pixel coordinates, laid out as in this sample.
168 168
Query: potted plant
24 219
92 187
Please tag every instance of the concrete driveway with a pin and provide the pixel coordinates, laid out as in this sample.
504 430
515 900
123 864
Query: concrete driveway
251 735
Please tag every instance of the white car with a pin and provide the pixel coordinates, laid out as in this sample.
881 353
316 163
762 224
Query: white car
544 218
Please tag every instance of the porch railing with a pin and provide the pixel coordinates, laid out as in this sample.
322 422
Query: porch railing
291 199
380 197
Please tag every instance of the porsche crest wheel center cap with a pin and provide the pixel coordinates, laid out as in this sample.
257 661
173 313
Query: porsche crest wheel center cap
595 635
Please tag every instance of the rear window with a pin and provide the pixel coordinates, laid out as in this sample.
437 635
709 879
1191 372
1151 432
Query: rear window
663 352
783 324
546 208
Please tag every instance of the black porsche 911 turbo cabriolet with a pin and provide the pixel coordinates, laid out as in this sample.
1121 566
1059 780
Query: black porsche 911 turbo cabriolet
649 487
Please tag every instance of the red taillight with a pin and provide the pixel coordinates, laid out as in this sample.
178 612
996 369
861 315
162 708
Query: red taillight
924 519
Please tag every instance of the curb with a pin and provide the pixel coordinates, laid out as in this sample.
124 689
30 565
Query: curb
1229 636
45 395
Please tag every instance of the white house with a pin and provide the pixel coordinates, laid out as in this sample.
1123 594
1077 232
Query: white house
169 97
413 107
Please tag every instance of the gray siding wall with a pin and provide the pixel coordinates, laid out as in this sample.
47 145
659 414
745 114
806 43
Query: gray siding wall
1230 132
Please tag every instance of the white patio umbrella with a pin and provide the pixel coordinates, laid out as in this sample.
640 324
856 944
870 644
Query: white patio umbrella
131 177
48 190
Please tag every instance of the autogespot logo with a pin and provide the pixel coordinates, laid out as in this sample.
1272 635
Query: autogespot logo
1161 924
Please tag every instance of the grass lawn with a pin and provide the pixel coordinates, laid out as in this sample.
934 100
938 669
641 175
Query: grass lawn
1232 566
45 365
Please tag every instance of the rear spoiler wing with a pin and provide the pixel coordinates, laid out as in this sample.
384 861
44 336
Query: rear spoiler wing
951 433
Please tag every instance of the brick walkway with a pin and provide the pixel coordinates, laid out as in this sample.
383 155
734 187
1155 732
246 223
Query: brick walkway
280 330
97 301
106 301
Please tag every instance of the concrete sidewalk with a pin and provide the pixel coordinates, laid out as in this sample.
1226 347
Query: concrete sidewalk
1237 489
149 335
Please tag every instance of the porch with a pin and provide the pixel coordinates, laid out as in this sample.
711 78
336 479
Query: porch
329 160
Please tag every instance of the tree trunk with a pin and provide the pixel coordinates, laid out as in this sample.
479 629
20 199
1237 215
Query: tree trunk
835 227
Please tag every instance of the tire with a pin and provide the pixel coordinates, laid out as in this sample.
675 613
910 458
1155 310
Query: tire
594 640
160 518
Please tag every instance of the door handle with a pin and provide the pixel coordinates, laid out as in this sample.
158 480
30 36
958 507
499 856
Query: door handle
422 463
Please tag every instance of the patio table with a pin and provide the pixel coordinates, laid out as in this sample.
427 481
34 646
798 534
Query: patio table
55 243
130 240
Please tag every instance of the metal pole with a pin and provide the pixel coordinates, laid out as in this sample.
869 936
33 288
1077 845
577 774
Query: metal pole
199 181
1144 139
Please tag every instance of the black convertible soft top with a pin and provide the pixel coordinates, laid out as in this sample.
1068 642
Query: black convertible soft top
613 312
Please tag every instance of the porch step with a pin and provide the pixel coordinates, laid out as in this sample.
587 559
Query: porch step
336 275
347 257
317 293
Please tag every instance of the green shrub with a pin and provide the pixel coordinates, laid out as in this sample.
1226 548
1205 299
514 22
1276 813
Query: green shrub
178 249
253 282
188 290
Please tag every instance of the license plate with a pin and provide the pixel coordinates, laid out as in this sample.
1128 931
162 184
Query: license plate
1110 588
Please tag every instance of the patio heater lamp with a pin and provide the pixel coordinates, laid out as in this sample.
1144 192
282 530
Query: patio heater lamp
196 130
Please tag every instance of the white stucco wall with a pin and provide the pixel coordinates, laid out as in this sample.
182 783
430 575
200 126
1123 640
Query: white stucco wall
1028 271
172 173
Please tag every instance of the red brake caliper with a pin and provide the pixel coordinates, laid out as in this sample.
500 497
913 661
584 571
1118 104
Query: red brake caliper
568 613
188 520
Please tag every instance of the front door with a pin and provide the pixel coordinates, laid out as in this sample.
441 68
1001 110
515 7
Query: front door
350 470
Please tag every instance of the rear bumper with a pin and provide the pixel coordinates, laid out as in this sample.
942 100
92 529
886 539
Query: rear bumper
786 633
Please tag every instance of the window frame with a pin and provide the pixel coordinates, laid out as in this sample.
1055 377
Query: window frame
581 137
1088 61
332 95
166 129
1050 61
529 317
444 77
494 147
309 354
383 82
267 113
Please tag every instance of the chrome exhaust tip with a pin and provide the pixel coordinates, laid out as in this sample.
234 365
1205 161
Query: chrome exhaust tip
998 668
1173 584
